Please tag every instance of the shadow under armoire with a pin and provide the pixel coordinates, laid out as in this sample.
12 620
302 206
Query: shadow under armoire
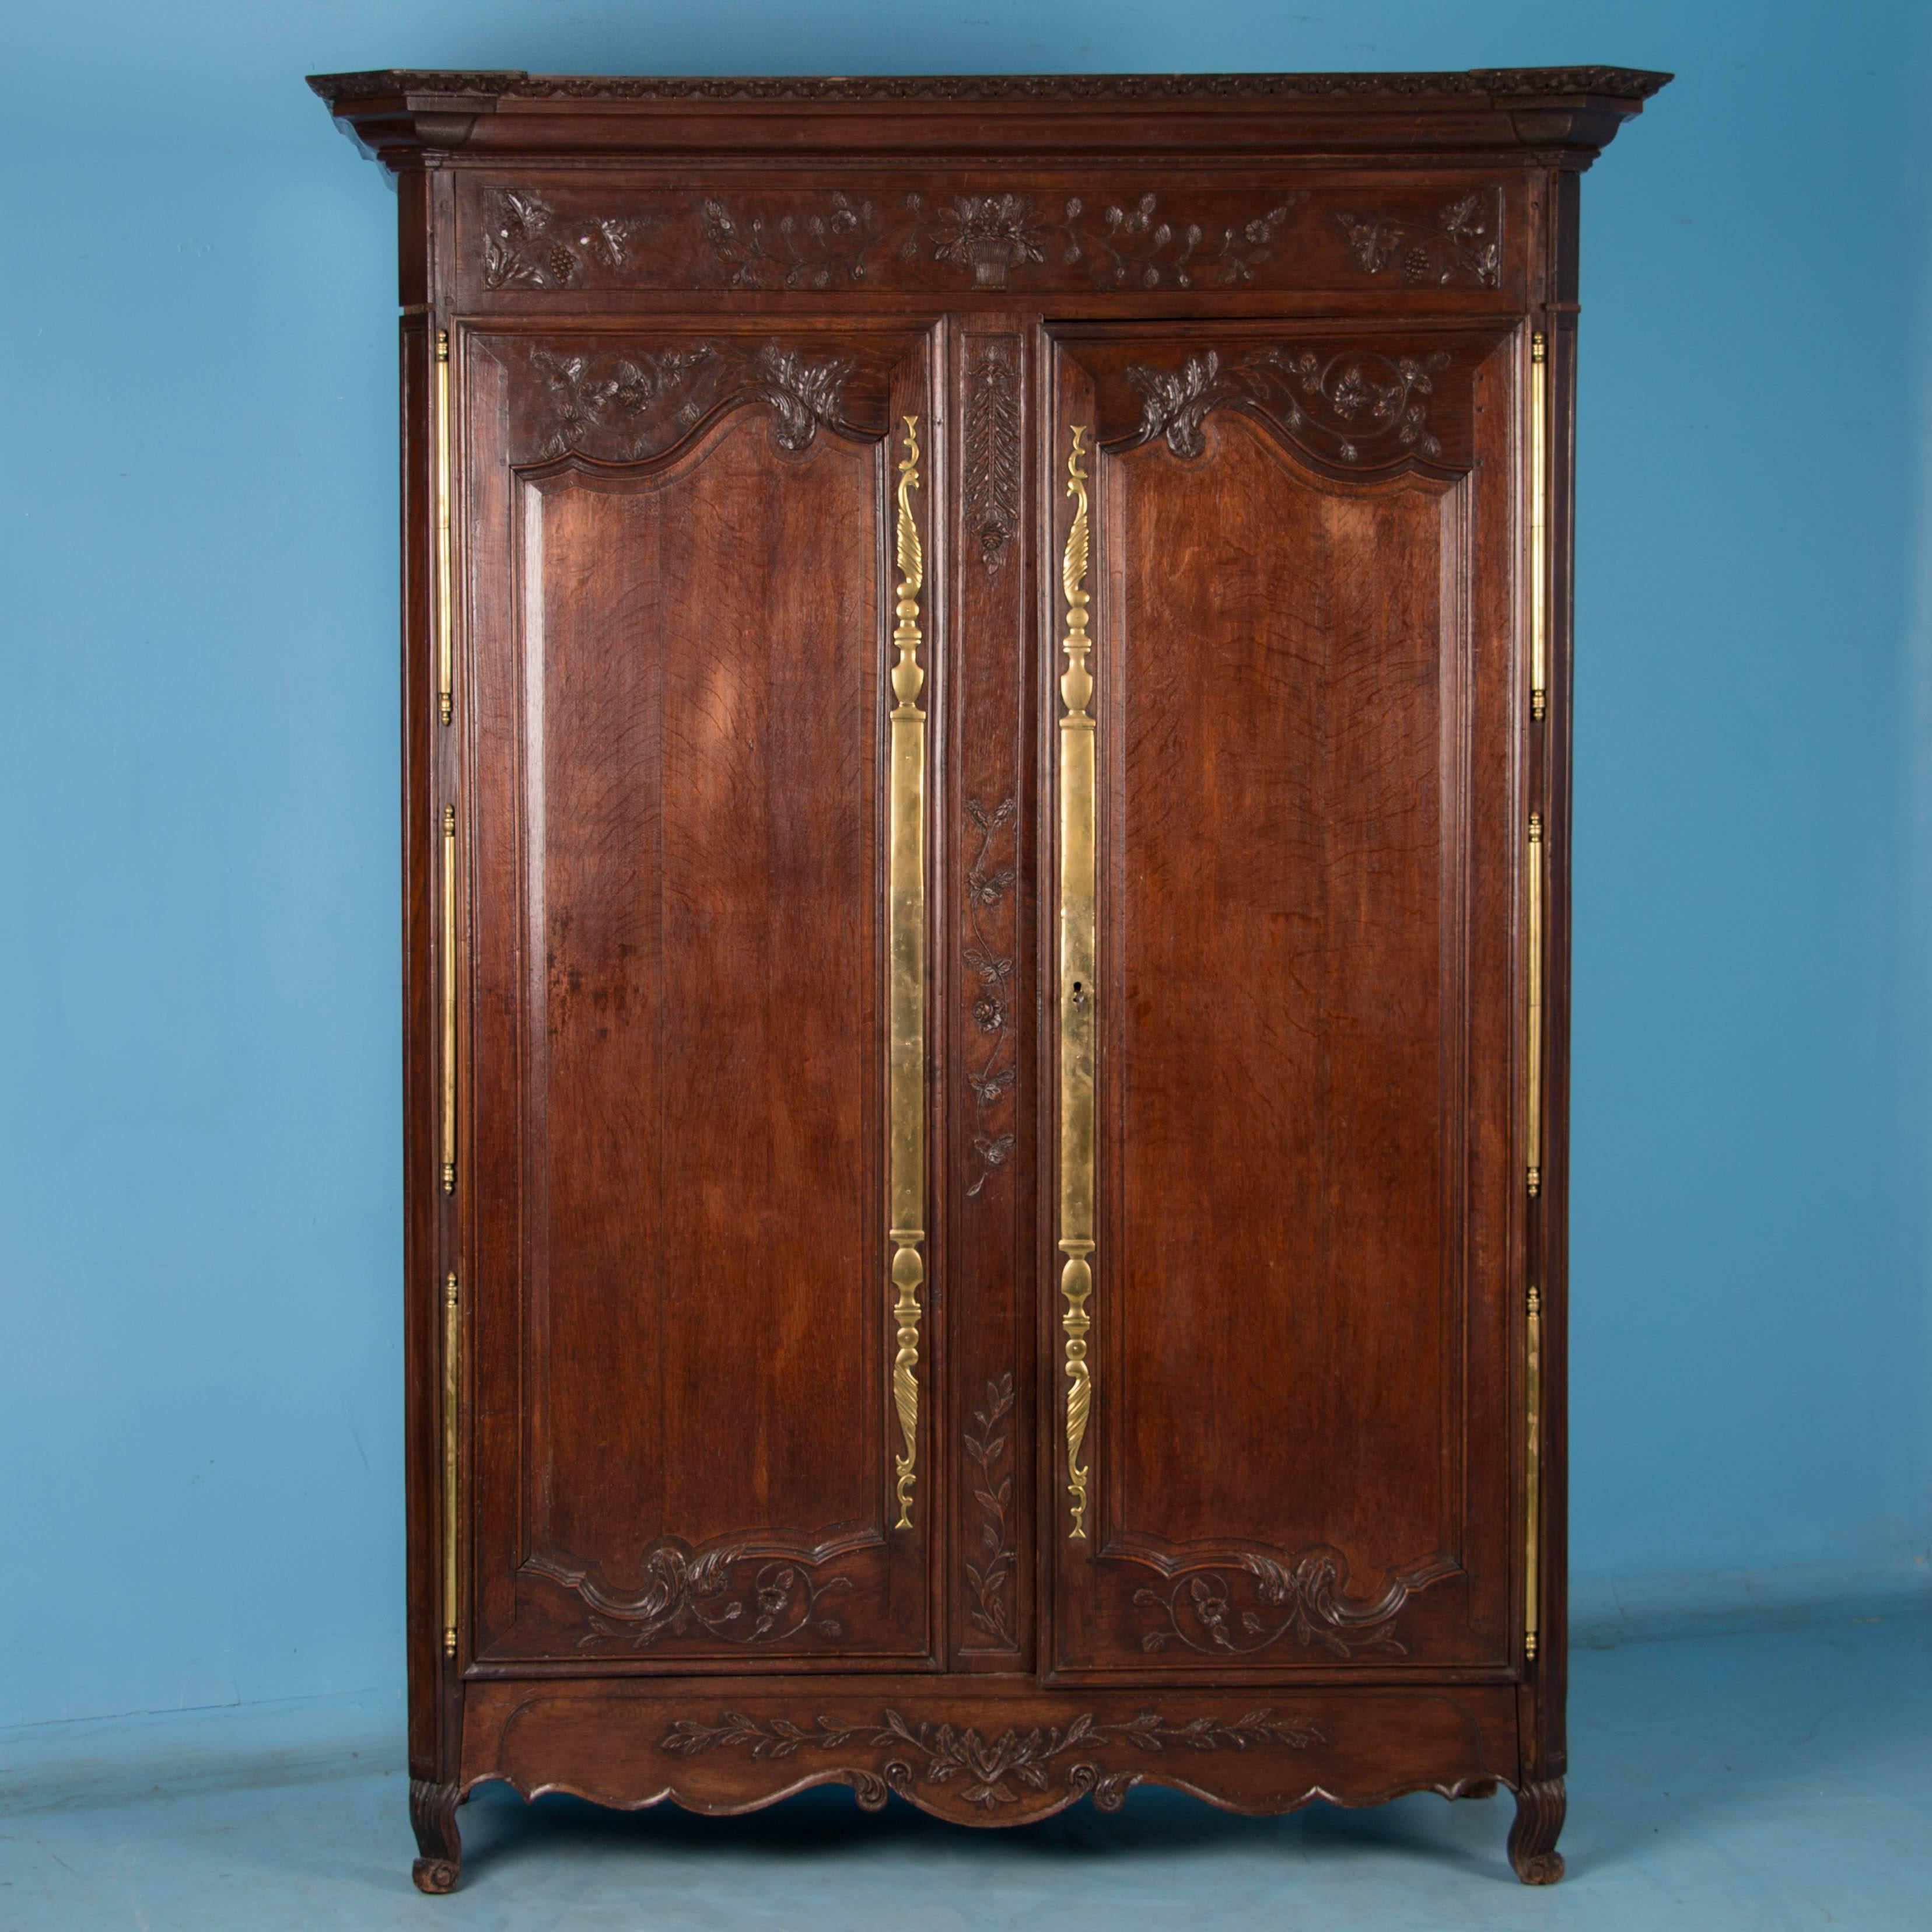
986 762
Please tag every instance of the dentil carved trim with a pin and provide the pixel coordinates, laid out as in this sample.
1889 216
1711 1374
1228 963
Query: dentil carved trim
1465 239
526 247
988 1768
1303 1596
725 1591
992 1577
626 408
1353 407
992 455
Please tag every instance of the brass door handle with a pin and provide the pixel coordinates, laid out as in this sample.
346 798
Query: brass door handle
1077 1032
906 994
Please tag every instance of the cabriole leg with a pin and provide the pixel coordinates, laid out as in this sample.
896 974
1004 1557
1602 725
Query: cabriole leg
1532 1839
433 1813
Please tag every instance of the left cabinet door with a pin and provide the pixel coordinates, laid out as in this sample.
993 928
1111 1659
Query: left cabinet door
700 1363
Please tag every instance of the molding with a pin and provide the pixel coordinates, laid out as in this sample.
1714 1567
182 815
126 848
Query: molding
1486 84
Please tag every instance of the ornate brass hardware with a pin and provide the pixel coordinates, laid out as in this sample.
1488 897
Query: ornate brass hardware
1532 1463
1539 526
449 999
1533 1125
452 1421
1077 989
445 656
907 993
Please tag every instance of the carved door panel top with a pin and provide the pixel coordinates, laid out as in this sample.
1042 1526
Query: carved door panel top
1282 1339
688 557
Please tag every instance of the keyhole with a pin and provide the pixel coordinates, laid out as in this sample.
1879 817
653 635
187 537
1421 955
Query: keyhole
1079 993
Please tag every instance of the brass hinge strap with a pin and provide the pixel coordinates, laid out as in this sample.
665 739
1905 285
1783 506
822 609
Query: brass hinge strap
445 652
452 1440
1539 526
906 991
1532 1396
1533 1123
1078 994
449 999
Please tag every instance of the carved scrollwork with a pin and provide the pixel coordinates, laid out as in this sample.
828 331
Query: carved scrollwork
988 1769
1304 1597
526 246
1355 407
1464 239
990 1579
625 409
725 1591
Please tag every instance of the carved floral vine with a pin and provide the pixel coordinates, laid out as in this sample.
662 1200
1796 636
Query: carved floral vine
825 247
988 1768
1304 1597
624 408
992 1577
723 1592
1356 406
1466 238
526 246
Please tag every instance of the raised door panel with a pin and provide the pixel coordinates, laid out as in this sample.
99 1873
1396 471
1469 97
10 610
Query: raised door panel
1295 1453
681 616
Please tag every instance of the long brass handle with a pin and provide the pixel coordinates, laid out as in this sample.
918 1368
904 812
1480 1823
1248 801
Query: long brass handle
452 1423
1533 1099
1078 994
1539 526
449 999
907 992
445 702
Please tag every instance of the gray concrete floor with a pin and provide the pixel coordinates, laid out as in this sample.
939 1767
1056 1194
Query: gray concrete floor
1764 1780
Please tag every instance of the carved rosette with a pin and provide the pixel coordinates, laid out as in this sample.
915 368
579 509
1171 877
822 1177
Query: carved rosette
1355 407
1304 1597
727 1592
992 1772
628 409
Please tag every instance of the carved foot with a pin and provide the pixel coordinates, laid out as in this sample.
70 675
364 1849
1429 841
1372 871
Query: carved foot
1532 1838
433 1813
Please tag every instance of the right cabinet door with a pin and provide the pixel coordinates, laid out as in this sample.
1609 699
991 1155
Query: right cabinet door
1283 843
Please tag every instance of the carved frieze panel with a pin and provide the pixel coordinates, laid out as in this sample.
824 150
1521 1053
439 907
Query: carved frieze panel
992 1772
963 238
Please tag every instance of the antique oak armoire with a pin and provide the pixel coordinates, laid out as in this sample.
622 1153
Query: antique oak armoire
987 713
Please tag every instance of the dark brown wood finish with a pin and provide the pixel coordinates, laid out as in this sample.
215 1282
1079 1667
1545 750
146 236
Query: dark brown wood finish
688 320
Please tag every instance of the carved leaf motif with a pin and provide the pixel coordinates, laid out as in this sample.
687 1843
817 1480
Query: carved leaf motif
526 245
992 457
986 1449
625 409
1307 1591
1464 240
1341 406
721 1592
988 884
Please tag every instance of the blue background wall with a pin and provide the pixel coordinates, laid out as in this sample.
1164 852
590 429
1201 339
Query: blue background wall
200 1478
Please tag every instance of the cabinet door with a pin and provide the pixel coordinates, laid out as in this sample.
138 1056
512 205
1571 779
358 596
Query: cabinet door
699 1367
1280 1317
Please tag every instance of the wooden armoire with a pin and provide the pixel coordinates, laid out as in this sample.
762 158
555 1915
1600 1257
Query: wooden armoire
986 760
